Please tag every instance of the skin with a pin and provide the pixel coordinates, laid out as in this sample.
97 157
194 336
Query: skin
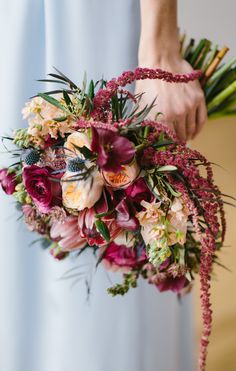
183 106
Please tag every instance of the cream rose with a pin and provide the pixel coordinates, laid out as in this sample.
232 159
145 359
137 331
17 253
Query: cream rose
79 194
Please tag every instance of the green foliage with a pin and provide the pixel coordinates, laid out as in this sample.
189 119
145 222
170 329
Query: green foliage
129 281
21 195
103 230
22 139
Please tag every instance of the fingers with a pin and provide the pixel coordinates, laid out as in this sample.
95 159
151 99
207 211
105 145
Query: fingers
191 123
201 117
180 128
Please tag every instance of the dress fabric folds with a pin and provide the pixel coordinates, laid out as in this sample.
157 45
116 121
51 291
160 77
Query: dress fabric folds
46 324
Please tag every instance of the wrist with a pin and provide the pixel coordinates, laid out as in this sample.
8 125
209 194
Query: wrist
154 54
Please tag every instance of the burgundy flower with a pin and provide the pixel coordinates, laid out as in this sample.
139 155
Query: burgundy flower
174 284
125 216
44 192
119 256
7 181
139 191
113 150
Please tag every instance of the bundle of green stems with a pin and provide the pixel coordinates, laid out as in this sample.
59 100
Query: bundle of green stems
219 76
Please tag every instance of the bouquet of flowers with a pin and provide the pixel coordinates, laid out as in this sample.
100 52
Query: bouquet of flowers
92 172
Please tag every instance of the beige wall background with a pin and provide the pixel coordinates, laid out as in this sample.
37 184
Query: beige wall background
214 19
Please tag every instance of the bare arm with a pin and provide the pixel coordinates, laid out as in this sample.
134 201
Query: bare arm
183 106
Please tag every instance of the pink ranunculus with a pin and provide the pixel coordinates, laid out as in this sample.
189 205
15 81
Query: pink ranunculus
44 192
175 284
7 181
119 257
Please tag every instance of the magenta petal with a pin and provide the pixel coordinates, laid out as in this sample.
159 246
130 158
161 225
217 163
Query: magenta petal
139 191
7 181
132 224
173 284
112 149
125 218
124 149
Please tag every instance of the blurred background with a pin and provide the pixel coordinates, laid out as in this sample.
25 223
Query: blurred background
214 19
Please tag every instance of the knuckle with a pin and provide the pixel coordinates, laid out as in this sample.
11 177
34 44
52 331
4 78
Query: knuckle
180 111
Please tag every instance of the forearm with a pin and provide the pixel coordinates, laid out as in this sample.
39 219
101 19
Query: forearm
159 30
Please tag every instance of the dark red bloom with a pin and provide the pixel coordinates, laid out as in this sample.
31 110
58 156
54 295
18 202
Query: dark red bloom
139 191
44 192
174 284
123 257
113 150
7 181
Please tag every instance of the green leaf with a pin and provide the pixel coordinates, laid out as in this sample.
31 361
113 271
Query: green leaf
67 100
172 191
52 101
85 151
52 80
152 186
103 230
65 78
60 119
167 168
101 215
91 90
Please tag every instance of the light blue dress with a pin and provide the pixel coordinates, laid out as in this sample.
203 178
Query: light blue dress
45 324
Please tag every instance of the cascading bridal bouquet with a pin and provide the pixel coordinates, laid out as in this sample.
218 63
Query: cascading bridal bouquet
92 172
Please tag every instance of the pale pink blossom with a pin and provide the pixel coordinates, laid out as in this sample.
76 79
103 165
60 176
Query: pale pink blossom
67 234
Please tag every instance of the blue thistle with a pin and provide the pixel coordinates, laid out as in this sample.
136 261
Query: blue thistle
76 165
31 156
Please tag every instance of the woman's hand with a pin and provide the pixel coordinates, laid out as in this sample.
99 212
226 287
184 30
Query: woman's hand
182 106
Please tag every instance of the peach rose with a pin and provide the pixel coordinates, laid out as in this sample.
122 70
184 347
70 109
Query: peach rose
123 178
